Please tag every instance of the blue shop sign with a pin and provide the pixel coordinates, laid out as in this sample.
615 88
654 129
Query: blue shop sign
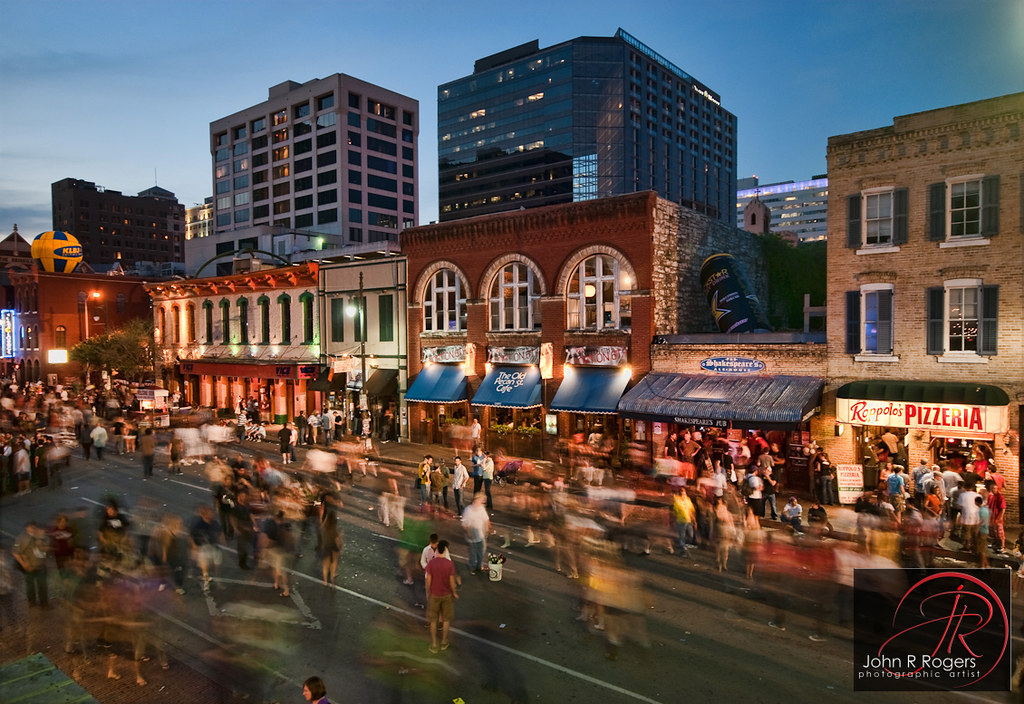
732 365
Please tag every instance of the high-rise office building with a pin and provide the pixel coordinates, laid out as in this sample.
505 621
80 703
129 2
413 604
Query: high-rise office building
333 159
119 230
588 118
798 208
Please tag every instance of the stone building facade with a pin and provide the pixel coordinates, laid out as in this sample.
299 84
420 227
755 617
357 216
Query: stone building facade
925 254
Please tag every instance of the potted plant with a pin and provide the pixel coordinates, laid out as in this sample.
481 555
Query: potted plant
494 563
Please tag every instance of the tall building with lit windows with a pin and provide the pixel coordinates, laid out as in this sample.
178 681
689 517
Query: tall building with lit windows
144 231
588 118
319 165
799 208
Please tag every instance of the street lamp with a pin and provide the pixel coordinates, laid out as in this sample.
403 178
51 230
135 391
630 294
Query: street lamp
92 294
359 305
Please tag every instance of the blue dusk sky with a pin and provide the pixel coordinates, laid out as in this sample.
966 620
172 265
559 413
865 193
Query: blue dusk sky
122 93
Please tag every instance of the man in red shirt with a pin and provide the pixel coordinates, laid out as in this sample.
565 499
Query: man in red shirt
442 583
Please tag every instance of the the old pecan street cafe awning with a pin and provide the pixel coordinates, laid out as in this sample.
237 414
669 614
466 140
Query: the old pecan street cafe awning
509 387
765 402
960 409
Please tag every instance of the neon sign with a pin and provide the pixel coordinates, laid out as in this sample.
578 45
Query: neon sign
6 333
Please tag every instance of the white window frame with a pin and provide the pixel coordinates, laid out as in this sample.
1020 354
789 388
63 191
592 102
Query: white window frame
440 298
576 299
961 356
866 356
952 184
866 197
507 310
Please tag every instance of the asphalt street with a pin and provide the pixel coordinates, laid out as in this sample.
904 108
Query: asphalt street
702 635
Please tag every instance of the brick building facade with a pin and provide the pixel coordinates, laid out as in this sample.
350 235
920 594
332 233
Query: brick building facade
925 254
540 294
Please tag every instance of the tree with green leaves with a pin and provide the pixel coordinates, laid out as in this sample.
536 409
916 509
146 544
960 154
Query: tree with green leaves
127 351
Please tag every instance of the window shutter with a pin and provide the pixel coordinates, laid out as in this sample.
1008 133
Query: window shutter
990 206
852 322
936 328
884 322
899 216
937 212
853 236
989 320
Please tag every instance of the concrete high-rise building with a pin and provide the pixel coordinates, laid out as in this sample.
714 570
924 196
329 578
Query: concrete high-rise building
798 208
588 118
115 229
322 164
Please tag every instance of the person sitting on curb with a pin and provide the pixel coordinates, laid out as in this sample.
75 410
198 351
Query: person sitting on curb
791 513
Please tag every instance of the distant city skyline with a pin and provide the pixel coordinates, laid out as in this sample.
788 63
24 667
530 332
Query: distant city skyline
122 93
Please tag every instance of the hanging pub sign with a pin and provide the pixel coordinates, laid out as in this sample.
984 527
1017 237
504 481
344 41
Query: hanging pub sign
441 355
513 355
596 355
936 417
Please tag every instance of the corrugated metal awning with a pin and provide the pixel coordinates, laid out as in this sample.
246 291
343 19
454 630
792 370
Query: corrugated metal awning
768 402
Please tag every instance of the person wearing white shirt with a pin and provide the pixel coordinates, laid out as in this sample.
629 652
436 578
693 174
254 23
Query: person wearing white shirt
460 477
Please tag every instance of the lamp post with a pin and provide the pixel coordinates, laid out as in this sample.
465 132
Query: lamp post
360 306
92 294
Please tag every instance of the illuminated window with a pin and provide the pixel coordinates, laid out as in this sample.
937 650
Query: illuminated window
599 295
444 303
514 299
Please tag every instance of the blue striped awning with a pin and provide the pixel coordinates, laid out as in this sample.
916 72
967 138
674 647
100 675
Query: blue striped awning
438 383
590 390
768 402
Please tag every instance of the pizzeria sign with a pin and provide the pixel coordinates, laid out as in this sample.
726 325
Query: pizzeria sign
926 416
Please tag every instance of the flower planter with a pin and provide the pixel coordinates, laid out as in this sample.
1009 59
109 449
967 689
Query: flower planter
494 571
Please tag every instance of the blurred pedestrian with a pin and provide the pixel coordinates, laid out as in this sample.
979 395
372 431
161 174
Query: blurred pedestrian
30 552
99 439
442 591
147 447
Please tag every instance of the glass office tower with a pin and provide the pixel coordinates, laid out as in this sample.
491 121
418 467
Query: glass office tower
588 118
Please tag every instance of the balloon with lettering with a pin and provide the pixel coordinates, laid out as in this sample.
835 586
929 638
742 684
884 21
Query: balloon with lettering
57 251
733 303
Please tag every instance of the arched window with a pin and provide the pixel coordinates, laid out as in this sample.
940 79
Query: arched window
285 302
176 325
60 337
225 322
208 321
161 325
514 298
243 321
264 305
598 295
444 303
306 300
190 321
